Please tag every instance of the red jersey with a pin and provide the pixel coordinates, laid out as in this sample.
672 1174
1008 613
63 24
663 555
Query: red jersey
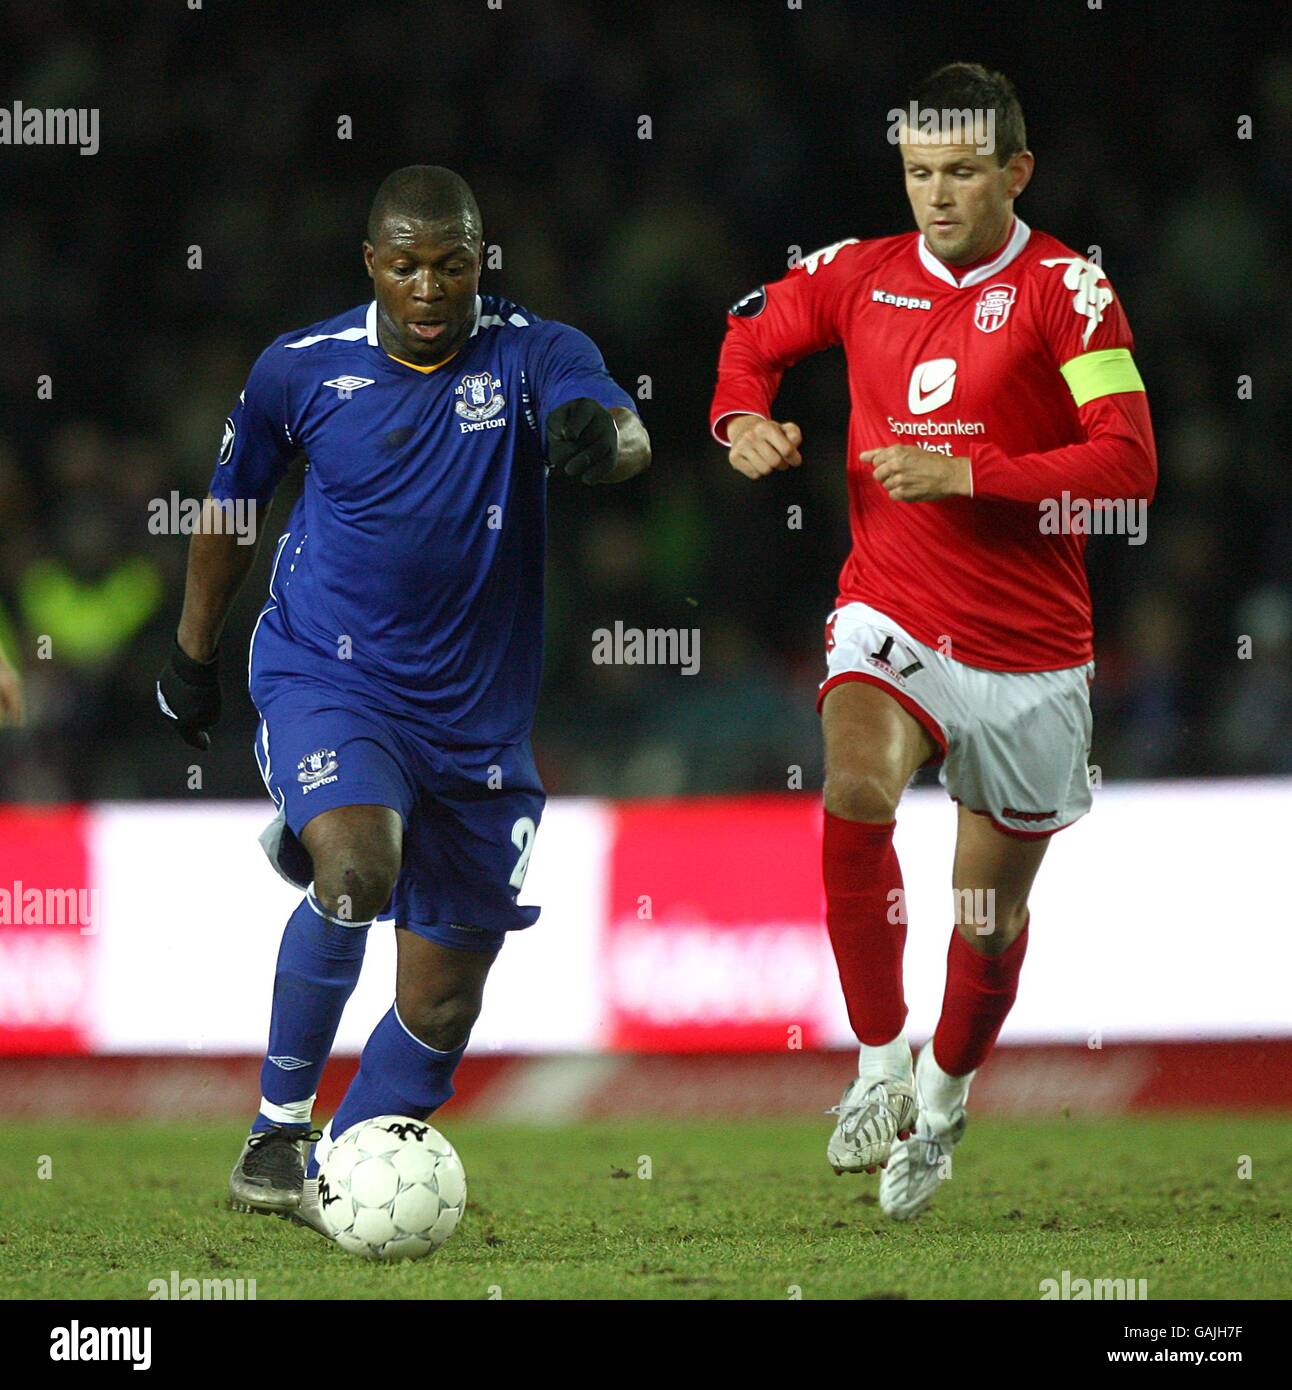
1021 363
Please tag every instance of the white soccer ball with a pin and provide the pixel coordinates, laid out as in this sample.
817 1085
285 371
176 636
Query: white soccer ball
392 1188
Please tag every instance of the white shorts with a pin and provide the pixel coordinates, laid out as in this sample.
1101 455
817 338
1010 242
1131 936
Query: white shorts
1013 745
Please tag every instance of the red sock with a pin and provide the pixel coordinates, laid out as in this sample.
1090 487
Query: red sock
980 993
861 871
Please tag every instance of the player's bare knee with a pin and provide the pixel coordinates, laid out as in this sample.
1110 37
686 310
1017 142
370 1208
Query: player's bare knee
354 887
1011 918
862 795
988 923
442 1023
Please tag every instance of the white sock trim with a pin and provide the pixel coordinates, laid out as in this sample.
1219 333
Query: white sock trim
327 916
295 1112
943 1093
425 1046
888 1060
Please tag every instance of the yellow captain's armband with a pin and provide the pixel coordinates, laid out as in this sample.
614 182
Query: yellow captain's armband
1096 374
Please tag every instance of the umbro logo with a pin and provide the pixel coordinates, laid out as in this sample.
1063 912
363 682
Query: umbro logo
289 1063
346 384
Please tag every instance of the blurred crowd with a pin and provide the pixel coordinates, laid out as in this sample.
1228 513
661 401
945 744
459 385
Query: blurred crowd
224 129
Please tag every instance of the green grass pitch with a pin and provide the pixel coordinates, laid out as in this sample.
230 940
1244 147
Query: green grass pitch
730 1210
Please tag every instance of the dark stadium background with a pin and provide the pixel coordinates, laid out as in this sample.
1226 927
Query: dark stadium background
219 128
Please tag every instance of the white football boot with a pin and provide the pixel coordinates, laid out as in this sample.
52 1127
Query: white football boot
309 1212
876 1109
919 1166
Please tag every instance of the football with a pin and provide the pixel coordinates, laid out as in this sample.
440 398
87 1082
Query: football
391 1188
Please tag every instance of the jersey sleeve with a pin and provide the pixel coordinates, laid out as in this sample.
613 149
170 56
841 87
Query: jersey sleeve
566 365
776 326
1088 339
257 444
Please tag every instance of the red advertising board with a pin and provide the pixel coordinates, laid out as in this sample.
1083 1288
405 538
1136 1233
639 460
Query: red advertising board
714 936
48 916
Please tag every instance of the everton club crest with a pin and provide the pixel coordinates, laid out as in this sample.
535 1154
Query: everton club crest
317 769
479 397
993 307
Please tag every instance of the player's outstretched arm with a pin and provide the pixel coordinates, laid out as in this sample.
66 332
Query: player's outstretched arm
760 447
188 689
11 711
218 562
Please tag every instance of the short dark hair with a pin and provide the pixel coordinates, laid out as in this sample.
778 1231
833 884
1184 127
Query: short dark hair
958 86
426 192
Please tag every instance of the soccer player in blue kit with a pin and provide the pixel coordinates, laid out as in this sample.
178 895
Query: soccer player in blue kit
396 662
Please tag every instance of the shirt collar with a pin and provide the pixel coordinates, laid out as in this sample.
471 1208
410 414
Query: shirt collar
1017 240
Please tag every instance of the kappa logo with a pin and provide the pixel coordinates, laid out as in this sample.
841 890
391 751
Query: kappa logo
401 1131
900 301
317 769
226 443
826 254
992 310
1090 298
933 383
480 399
345 384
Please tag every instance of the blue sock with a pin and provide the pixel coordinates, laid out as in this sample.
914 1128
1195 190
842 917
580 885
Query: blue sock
318 967
398 1075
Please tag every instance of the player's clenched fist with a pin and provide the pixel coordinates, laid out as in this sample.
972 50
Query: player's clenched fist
188 692
760 447
911 474
582 438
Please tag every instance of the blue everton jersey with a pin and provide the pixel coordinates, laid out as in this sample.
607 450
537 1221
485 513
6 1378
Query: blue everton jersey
410 574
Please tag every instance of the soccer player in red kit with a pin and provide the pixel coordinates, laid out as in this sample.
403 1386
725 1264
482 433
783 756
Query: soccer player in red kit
996 409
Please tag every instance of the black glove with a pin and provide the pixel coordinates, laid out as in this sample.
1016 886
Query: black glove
582 439
188 692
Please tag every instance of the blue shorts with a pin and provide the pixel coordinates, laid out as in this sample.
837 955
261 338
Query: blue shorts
469 817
